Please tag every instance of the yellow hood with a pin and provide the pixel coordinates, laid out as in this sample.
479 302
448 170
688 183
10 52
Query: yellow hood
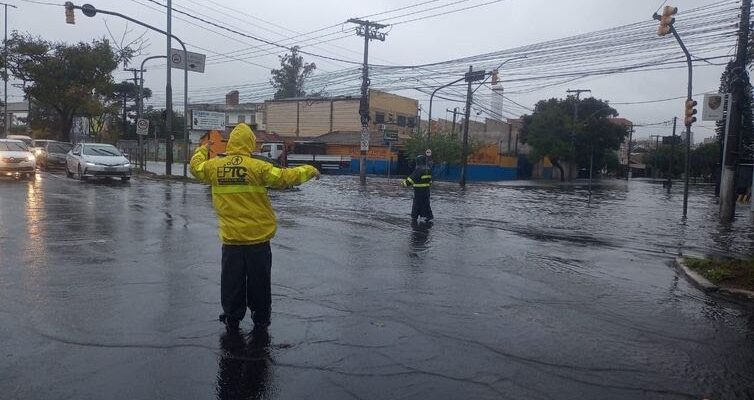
242 141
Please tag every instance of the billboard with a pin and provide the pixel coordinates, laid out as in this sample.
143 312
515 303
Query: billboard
207 120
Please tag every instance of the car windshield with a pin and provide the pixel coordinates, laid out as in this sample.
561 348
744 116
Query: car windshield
101 150
60 148
12 146
38 143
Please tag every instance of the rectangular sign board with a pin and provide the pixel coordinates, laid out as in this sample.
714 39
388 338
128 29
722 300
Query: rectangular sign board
713 108
390 136
207 120
195 60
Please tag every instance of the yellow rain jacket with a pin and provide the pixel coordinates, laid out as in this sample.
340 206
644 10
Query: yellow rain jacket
239 187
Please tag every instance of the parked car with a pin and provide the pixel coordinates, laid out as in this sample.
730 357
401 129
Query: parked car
16 159
87 160
23 138
52 155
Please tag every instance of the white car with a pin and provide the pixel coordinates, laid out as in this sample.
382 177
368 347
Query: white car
16 159
87 160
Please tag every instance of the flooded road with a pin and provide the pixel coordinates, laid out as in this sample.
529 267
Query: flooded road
519 290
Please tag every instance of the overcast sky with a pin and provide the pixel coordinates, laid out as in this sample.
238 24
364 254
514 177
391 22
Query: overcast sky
502 25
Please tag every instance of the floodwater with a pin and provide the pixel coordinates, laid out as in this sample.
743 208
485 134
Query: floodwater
517 290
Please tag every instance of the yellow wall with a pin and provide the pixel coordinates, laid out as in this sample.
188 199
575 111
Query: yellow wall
490 155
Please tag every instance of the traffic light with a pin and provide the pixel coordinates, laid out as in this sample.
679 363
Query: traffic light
70 17
690 112
666 20
495 77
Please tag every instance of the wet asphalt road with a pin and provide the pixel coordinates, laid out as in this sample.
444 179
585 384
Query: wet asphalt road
517 291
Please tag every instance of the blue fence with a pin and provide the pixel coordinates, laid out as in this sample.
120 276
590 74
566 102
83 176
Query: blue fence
474 173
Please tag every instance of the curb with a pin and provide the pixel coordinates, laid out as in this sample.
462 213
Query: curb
704 284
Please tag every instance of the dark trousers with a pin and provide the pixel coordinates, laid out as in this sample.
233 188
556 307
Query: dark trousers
421 207
245 281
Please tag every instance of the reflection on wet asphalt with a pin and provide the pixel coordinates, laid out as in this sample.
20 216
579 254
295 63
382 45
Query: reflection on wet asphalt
518 290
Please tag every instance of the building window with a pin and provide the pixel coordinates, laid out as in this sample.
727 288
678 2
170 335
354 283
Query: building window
379 118
411 122
227 119
241 119
401 120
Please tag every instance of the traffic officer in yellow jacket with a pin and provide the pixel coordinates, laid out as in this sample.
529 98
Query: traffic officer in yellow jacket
421 180
247 222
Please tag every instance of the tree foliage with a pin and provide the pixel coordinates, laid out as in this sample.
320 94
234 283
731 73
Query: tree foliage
62 79
552 132
289 79
446 147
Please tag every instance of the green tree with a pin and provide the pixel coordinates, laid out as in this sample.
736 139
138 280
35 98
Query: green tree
157 122
446 147
660 159
62 79
289 79
747 124
550 132
705 160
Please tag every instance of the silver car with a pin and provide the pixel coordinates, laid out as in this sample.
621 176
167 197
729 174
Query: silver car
88 160
16 159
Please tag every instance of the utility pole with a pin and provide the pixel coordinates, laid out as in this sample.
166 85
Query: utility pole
656 167
735 114
6 115
573 130
672 156
470 77
168 98
455 113
369 30
628 152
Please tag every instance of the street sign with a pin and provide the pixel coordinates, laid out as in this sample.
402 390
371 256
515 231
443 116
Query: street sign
475 76
142 127
390 136
195 60
207 120
364 138
713 107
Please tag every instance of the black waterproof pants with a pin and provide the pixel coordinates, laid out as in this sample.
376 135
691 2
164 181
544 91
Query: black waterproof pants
245 281
421 207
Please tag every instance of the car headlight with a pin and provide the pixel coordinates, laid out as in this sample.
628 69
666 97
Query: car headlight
91 164
128 164
31 157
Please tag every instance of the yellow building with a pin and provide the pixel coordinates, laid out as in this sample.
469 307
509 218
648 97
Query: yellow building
313 117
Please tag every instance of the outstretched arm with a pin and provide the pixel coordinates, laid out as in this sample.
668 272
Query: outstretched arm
198 163
281 178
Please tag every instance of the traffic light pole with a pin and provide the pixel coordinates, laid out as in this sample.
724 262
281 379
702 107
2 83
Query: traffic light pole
465 146
687 161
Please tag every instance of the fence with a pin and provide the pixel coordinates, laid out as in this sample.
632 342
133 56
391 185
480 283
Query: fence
154 150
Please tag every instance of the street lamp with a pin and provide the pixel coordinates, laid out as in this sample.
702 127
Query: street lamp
432 96
90 11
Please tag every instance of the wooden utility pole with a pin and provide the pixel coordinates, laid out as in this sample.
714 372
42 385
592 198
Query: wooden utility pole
369 30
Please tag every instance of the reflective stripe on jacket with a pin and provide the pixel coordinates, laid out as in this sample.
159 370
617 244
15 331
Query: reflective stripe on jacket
239 187
421 178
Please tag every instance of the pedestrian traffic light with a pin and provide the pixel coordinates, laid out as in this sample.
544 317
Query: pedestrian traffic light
495 77
70 17
666 20
690 112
